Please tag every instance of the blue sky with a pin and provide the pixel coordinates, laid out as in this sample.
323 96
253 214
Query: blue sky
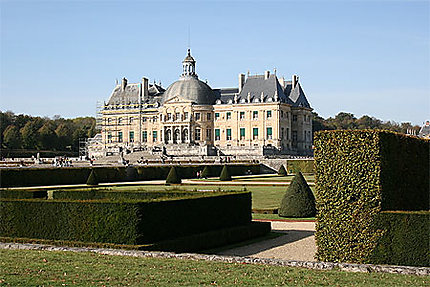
362 57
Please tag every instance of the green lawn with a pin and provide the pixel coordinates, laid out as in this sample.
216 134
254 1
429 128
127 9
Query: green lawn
47 268
262 196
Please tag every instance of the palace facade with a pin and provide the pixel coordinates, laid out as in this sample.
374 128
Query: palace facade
263 115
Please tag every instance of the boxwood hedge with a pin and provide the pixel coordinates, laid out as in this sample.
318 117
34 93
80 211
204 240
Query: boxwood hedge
359 174
122 222
303 165
14 177
405 239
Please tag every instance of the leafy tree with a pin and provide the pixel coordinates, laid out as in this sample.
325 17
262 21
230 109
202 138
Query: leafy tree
64 134
298 200
47 137
12 137
29 133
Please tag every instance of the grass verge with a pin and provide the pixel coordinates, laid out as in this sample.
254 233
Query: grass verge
43 268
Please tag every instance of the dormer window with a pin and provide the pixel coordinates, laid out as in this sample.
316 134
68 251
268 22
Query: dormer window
218 102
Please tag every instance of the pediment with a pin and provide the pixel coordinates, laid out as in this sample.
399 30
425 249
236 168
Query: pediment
177 100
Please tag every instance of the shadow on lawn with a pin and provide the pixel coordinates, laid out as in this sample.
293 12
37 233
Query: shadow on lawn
286 237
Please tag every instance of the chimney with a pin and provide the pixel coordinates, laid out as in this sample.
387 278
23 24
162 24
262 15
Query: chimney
123 84
266 75
145 88
241 81
295 80
282 82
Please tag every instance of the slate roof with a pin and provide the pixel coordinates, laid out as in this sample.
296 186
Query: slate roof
297 96
131 94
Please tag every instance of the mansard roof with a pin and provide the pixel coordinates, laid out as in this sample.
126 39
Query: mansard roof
297 96
131 93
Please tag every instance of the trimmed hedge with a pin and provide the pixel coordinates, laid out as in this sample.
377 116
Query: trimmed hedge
303 165
358 174
14 177
125 222
405 239
225 174
92 178
95 193
298 200
7 193
173 177
282 171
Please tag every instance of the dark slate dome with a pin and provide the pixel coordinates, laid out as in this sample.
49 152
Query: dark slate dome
192 89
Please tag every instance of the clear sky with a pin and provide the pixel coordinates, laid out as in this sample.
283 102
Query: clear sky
363 57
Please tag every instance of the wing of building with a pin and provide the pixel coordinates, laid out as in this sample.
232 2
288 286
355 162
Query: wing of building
263 115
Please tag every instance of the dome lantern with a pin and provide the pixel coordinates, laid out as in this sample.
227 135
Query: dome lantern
189 65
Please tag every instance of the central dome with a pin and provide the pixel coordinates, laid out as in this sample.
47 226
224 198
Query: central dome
192 89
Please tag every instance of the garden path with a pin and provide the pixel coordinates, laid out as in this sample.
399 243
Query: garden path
296 243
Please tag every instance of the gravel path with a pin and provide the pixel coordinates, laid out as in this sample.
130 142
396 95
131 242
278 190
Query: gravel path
297 243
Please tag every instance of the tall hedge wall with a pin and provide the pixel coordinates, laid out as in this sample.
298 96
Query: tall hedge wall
355 171
405 239
125 222
13 177
302 165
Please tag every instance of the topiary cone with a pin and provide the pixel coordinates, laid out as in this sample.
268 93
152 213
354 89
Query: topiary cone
225 174
206 172
282 171
173 177
92 178
298 200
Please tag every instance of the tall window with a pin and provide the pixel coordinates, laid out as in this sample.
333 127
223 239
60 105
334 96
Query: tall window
242 134
228 115
169 116
119 121
242 115
217 134
209 116
216 116
255 133
131 136
177 117
228 134
154 136
288 133
145 136
131 120
282 114
269 133
186 116
269 114
197 116
208 134
255 115
120 137
282 133
294 118
109 137
197 136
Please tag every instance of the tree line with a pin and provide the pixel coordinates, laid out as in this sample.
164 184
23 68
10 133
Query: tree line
59 134
347 121
43 133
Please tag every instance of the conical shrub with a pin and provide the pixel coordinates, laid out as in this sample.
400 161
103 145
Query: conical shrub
225 174
298 200
282 171
173 177
206 172
92 178
131 173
